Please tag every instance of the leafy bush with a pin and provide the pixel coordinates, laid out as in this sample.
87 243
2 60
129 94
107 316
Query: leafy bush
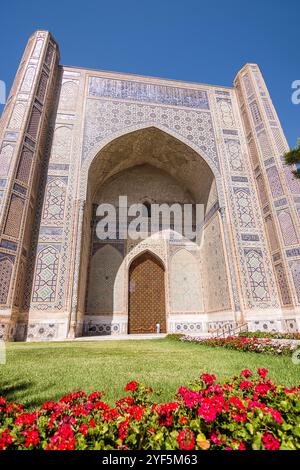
175 336
258 345
247 412
269 334
293 158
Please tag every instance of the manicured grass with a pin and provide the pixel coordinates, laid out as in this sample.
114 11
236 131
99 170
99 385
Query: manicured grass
36 372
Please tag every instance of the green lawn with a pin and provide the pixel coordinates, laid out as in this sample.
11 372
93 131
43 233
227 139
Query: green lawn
36 372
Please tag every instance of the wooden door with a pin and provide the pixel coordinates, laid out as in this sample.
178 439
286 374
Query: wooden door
146 295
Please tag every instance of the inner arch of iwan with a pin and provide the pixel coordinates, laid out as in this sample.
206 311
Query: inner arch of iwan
74 139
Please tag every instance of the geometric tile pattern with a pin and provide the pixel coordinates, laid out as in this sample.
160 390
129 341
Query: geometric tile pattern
25 164
106 117
287 227
188 327
225 108
55 200
274 181
68 95
255 113
13 221
6 154
262 190
295 268
293 183
28 80
233 148
244 207
257 274
46 275
264 145
272 234
17 116
61 146
282 281
44 331
6 266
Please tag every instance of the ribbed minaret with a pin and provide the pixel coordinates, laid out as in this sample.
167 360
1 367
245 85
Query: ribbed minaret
25 130
278 189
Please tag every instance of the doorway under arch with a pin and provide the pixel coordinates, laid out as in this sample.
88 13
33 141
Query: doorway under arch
146 302
149 166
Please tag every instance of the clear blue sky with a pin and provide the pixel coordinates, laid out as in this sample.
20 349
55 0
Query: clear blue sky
192 40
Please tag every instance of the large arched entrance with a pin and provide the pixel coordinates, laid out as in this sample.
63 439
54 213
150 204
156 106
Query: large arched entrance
153 167
146 306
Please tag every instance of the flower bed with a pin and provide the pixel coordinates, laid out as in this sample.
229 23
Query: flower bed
258 345
270 334
247 412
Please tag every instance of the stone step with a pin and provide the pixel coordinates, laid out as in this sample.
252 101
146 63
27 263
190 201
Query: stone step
121 337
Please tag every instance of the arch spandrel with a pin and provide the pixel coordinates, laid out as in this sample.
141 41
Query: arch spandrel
94 153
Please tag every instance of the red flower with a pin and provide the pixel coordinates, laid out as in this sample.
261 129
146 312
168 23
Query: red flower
95 396
73 397
246 373
32 438
215 439
262 372
136 412
246 384
48 405
289 390
207 410
125 402
183 420
111 414
262 389
270 442
237 402
92 423
275 414
13 408
239 417
26 419
209 379
83 429
123 429
63 439
5 439
164 412
131 386
186 439
100 405
190 397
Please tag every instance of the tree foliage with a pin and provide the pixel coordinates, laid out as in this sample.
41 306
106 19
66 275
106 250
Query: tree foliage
293 158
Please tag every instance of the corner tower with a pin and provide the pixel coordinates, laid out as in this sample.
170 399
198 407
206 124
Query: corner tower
279 191
25 137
